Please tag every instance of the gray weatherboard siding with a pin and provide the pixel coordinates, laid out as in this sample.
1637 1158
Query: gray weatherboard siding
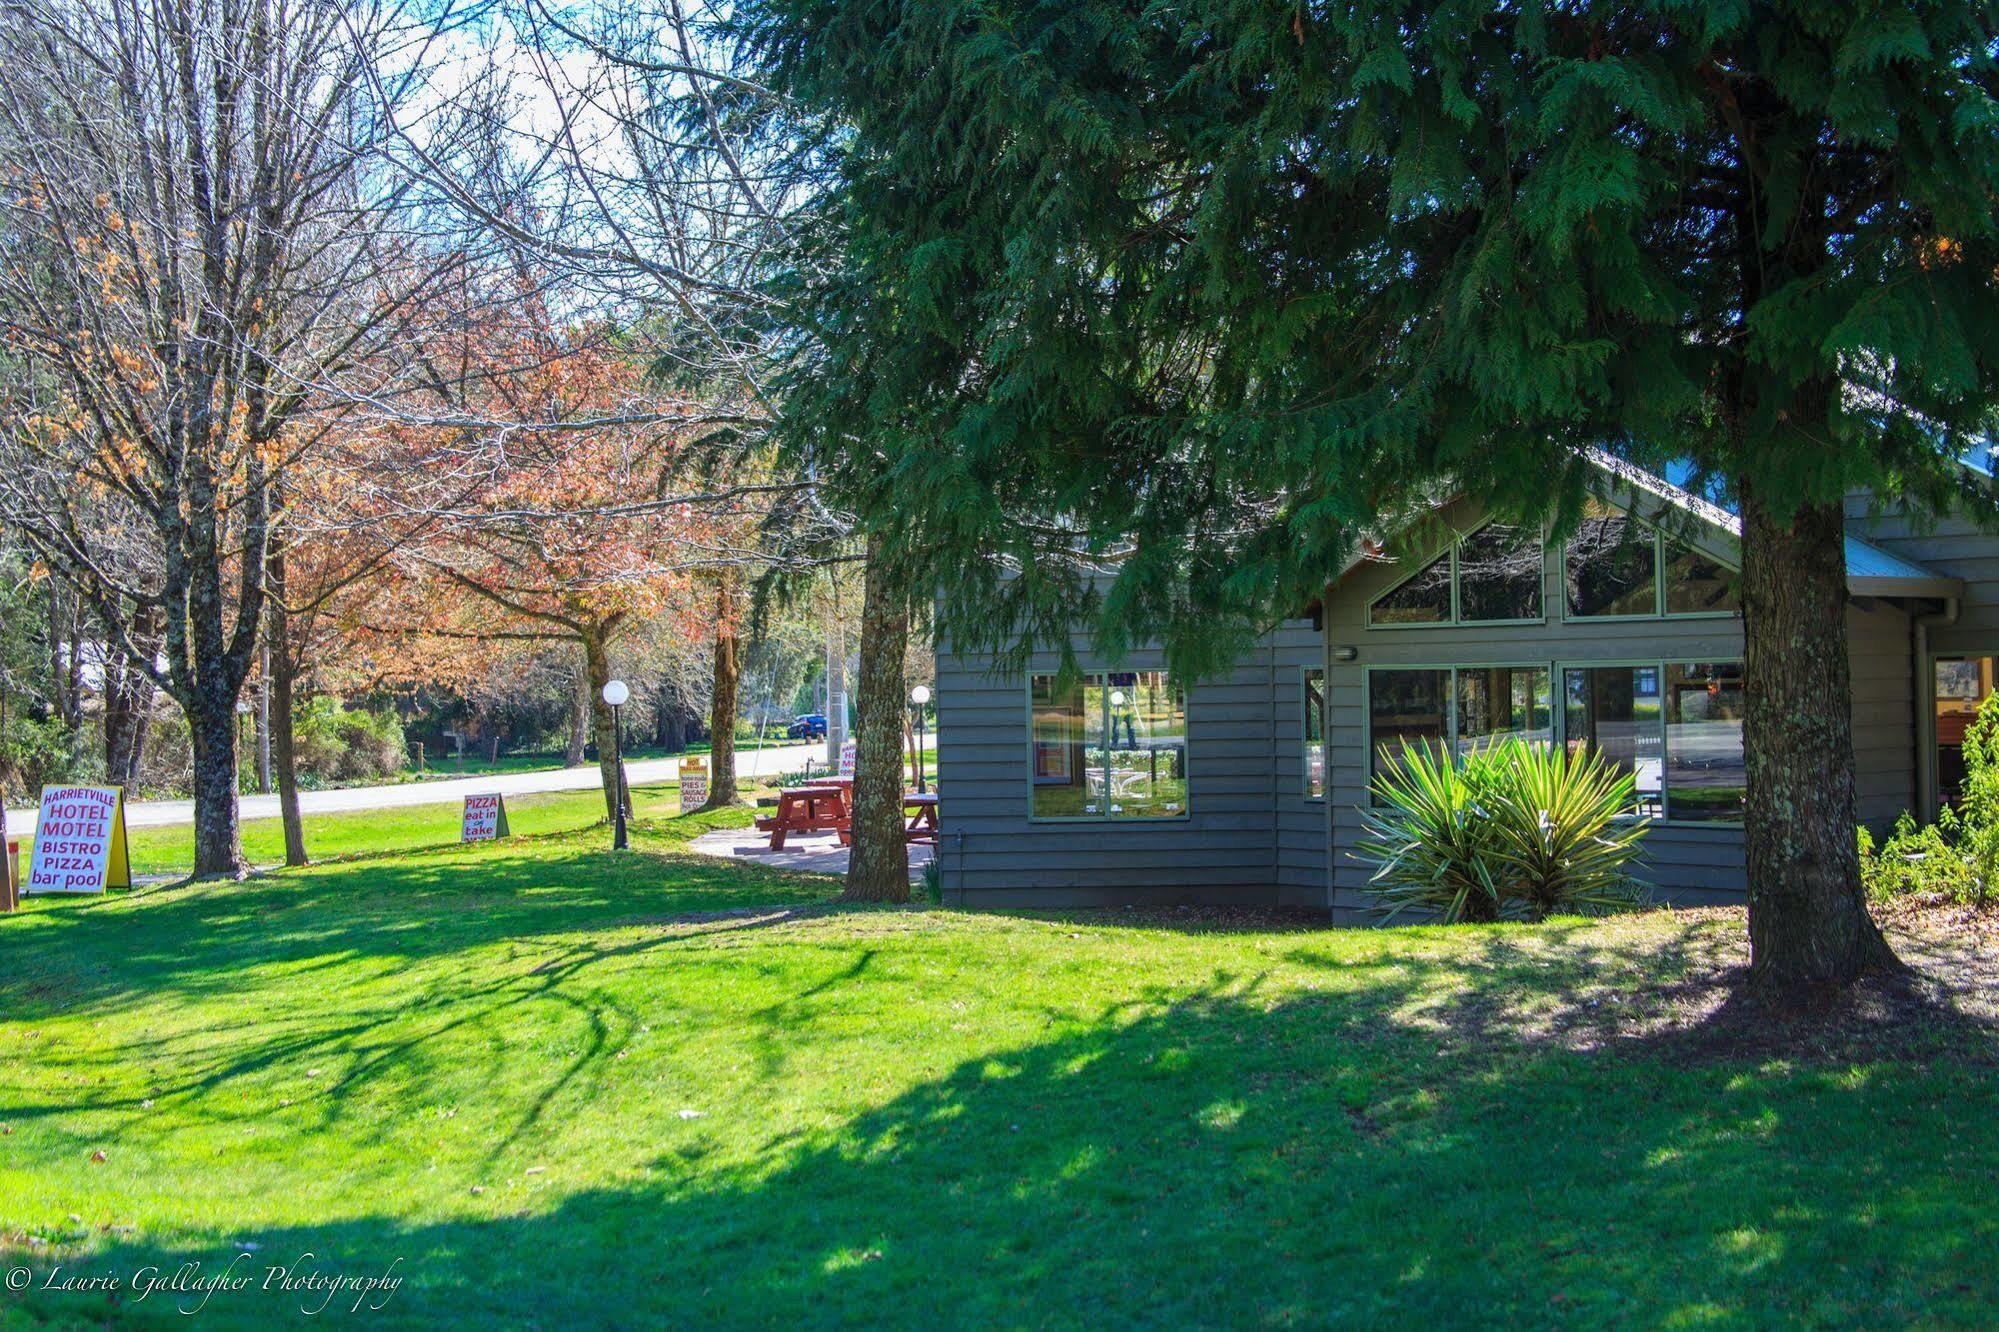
1251 836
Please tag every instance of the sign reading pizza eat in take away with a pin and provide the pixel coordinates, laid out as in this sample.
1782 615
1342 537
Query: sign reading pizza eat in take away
80 841
693 783
485 818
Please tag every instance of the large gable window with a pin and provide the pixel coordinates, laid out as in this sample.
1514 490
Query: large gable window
1499 575
1422 598
1612 566
1107 745
1492 576
1616 565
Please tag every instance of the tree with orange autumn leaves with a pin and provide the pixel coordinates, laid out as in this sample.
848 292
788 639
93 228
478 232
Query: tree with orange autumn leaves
592 513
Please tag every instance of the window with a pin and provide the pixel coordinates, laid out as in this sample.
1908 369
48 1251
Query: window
1492 576
1458 707
1495 701
1406 708
1424 598
1499 576
1676 729
1705 776
1315 734
1618 565
1110 745
1611 565
1962 686
1697 585
1615 711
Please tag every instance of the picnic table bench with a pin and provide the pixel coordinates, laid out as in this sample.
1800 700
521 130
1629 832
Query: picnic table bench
821 807
922 812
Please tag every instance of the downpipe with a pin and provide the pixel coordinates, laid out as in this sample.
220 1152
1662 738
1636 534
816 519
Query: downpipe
1926 704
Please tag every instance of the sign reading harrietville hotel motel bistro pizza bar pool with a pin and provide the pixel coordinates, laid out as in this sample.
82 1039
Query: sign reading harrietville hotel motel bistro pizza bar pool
80 841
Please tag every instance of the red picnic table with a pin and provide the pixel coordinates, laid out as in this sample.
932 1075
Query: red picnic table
922 812
820 807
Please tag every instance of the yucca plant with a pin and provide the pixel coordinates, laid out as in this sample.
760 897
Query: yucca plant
1565 828
1432 841
1506 830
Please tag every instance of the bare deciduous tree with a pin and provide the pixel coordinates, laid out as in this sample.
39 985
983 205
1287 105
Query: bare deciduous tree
198 242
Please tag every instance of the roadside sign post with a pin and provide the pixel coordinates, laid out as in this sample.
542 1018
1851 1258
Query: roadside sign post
10 868
80 844
485 818
693 783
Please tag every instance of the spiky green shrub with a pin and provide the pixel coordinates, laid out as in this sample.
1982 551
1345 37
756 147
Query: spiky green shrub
1507 830
1432 840
1565 828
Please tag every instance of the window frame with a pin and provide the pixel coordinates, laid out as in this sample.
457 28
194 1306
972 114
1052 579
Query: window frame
1450 701
1558 721
1115 820
1456 619
1659 611
1659 664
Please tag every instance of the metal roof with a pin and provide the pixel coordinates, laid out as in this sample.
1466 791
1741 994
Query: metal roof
1870 570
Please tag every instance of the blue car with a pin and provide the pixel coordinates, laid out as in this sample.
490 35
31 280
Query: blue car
811 726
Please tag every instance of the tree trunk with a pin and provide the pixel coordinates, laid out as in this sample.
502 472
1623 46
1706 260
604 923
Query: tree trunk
264 713
1808 918
722 711
218 845
129 694
279 680
878 870
597 674
579 719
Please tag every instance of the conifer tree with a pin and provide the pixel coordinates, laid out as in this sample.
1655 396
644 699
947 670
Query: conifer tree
1193 294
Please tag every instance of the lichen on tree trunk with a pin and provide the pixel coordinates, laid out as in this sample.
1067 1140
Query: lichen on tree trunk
218 845
1808 917
878 869
284 748
722 790
603 725
579 717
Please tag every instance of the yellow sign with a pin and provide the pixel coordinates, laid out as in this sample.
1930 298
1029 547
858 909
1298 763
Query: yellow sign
80 841
693 783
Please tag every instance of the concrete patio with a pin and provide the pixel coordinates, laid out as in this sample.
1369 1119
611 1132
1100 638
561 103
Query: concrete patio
814 853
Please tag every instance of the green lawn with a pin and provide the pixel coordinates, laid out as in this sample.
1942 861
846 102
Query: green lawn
565 1089
375 831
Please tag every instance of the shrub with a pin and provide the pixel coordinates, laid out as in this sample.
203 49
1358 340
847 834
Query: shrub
1956 858
1434 846
1927 860
1508 830
1567 830
334 743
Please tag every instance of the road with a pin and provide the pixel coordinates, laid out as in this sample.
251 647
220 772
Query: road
446 791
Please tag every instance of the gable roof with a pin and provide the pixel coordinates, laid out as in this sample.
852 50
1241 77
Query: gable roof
1870 570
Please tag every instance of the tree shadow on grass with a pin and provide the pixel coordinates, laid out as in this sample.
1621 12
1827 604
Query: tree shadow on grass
1241 1155
195 940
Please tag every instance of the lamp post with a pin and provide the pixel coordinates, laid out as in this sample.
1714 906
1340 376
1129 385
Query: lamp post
919 696
615 693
